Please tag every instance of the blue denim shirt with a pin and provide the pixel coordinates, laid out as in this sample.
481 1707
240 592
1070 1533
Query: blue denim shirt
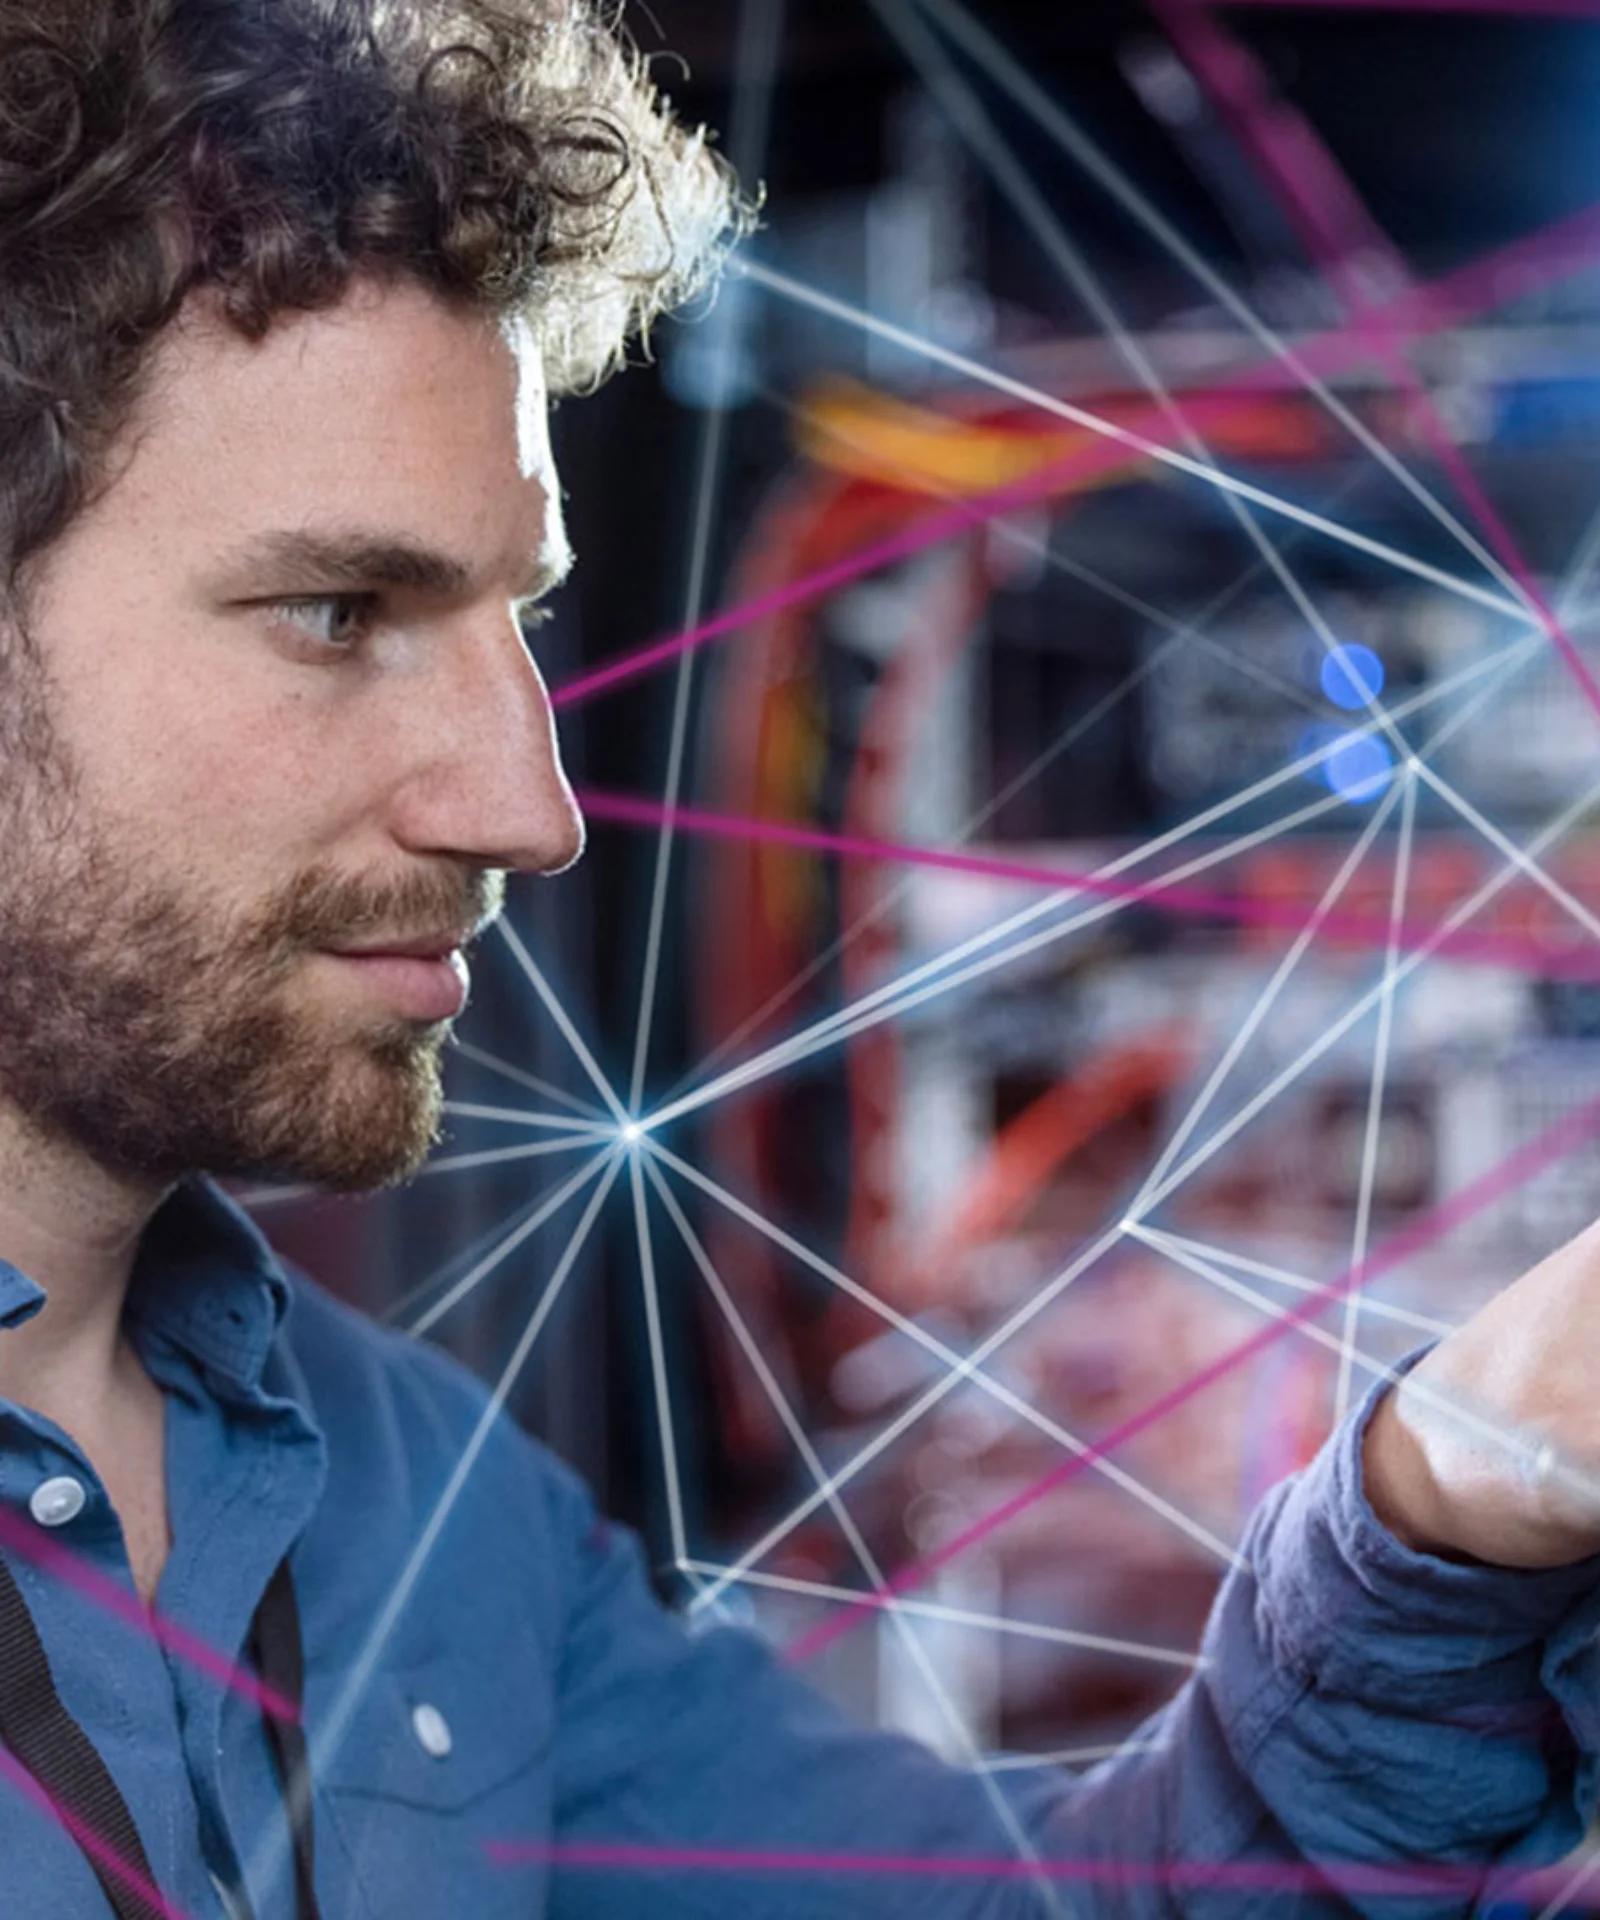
1358 1703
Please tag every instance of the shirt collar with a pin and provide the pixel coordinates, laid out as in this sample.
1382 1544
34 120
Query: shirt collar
20 1297
207 1280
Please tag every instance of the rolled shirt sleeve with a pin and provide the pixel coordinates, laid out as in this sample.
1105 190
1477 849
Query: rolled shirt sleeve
1388 1707
1361 1709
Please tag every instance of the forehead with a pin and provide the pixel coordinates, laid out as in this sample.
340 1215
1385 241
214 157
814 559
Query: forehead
393 407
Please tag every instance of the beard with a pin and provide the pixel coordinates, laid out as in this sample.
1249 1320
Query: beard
161 1037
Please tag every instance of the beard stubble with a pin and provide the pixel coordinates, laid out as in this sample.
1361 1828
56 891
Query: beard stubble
160 1037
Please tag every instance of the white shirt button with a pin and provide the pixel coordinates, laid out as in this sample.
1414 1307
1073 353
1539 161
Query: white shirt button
432 1730
55 1502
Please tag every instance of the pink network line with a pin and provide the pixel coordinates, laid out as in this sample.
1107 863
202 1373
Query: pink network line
1507 9
73 1570
1350 1877
1511 272
1336 227
1565 1136
1529 956
13 1770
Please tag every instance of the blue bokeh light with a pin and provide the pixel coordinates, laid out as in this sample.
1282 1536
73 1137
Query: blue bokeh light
1359 768
1351 676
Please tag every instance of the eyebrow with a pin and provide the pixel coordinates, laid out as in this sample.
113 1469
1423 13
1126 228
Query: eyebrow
361 560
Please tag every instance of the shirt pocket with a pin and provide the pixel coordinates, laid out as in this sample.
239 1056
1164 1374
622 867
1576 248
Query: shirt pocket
439 1762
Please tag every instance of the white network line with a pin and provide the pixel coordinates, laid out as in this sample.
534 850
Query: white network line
1296 1282
713 436
966 1617
1013 530
1152 1191
755 71
1524 1447
520 1117
1181 1254
1262 1002
255 1199
1585 557
932 977
1072 1756
1515 854
799 293
1580 1879
504 1156
974 124
508 1244
958 1368
1193 630
967 1370
507 1071
898 1620
563 1020
963 108
1375 1098
1010 75
959 1371
1392 977
931 980
1520 862
665 1426
396 1313
269 1858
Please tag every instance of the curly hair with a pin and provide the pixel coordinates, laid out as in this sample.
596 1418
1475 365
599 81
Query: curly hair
511 154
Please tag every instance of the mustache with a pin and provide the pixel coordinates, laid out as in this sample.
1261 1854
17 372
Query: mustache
327 909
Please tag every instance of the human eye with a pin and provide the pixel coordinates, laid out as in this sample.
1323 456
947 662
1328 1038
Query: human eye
334 622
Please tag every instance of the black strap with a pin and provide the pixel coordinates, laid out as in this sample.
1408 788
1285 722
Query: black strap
280 1661
63 1761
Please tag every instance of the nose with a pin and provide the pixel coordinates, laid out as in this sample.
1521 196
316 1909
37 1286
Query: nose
489 789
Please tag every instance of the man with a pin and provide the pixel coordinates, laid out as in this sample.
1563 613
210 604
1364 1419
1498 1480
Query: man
282 286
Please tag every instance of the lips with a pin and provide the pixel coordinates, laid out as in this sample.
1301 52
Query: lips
424 980
424 946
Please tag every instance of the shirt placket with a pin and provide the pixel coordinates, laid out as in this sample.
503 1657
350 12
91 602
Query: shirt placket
66 1551
243 1475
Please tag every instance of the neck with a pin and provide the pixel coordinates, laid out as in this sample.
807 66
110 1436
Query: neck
73 1228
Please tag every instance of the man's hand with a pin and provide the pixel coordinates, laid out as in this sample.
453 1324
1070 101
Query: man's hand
1490 1449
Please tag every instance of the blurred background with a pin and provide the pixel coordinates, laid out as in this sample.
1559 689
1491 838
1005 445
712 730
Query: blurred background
1119 559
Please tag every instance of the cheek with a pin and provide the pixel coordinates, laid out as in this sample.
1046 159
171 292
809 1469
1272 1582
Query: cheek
224 782
199 738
